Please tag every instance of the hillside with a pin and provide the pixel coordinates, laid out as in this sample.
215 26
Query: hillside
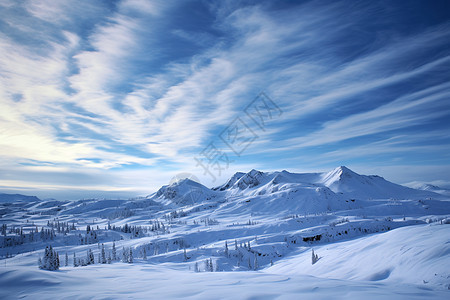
369 234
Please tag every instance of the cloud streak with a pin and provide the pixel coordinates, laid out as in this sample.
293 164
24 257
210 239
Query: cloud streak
145 85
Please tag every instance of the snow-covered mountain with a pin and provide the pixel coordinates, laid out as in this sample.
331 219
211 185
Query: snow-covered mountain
432 188
183 192
10 198
341 180
345 181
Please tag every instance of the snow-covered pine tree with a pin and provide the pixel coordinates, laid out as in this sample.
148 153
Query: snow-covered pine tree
196 267
124 255
185 255
314 257
90 257
103 256
114 252
144 254
44 261
75 261
66 262
50 260
226 249
207 265
130 257
255 263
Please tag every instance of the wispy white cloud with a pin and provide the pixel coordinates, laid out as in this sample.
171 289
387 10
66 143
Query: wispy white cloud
100 86
403 112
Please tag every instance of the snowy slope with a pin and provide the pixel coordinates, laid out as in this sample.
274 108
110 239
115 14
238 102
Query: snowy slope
413 255
344 180
10 198
374 238
433 188
183 192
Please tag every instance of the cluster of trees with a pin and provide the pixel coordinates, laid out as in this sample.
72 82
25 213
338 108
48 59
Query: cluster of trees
89 238
61 227
120 213
248 223
103 257
127 255
50 260
140 231
209 221
163 247
242 250
19 236
27 233
174 215
209 266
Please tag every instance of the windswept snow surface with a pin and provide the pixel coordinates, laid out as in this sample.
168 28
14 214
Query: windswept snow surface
374 239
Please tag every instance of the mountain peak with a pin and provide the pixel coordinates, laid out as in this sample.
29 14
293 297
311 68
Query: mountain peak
180 188
184 181
345 170
253 172
250 179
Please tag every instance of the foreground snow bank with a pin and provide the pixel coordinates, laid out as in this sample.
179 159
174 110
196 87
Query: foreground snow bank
411 255
120 281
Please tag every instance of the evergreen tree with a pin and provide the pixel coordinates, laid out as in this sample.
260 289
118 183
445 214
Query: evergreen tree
196 267
66 263
50 260
75 261
144 254
90 257
124 255
226 249
314 257
207 265
114 252
103 256
130 257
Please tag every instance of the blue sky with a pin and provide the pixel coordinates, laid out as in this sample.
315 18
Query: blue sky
114 98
